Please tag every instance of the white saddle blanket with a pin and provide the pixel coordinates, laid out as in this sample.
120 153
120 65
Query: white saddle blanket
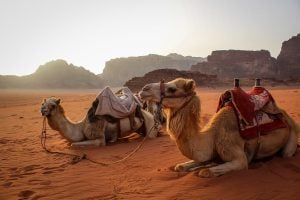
119 105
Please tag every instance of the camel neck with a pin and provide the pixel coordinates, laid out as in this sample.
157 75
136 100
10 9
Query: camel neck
69 130
186 117
183 126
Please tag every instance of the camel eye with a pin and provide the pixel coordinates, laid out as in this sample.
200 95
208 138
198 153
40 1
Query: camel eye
51 106
172 90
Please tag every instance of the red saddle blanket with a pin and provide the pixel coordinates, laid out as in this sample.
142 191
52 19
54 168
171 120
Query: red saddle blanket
249 108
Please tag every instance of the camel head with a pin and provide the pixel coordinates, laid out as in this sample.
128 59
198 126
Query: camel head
50 106
171 94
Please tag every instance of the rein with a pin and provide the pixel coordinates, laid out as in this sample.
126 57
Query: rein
77 158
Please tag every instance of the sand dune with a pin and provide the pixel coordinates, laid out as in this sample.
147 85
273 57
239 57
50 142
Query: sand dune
27 172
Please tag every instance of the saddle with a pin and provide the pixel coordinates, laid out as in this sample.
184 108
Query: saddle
115 106
256 111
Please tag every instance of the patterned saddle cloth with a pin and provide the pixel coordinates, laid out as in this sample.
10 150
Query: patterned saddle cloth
256 111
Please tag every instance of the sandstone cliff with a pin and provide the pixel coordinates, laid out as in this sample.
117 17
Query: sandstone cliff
136 83
118 71
238 63
289 58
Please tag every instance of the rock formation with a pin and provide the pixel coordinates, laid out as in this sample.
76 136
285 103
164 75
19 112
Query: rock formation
238 63
289 58
136 83
118 71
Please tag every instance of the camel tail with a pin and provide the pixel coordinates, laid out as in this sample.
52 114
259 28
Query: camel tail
294 127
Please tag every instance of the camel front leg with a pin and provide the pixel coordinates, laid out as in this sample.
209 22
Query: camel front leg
96 142
192 166
236 164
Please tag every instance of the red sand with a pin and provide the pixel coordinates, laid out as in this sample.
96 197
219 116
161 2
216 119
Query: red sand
27 172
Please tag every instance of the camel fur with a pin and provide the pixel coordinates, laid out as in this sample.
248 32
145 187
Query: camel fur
220 138
85 133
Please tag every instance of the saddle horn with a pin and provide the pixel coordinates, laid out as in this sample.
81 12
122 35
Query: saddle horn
257 82
236 82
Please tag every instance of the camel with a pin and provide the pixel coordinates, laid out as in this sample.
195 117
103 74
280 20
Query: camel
156 110
220 138
84 133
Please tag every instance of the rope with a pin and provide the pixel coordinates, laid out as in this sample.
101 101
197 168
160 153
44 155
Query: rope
77 158
121 160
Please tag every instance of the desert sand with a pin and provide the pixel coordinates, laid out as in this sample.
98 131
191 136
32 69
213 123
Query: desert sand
28 172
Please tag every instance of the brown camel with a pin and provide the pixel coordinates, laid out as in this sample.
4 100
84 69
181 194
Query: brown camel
85 133
220 137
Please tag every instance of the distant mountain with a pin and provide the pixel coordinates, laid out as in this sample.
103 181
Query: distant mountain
239 63
54 74
251 64
289 58
118 71
136 83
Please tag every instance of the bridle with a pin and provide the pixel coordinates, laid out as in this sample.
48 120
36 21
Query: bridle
163 92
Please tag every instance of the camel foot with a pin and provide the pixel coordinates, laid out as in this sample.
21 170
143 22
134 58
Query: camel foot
191 166
205 173
186 166
180 168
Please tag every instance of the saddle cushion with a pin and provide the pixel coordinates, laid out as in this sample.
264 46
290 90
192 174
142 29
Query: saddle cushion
119 105
256 111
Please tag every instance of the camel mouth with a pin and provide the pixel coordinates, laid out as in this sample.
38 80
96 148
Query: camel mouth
45 112
146 96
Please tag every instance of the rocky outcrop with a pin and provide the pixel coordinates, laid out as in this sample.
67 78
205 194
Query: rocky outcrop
53 75
118 71
238 63
289 58
136 83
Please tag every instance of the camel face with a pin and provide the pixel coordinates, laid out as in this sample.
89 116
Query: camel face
49 106
151 92
172 91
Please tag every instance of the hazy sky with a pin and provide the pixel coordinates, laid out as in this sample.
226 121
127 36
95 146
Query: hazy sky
89 32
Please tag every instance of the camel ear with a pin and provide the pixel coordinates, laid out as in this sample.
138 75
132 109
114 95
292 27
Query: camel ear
190 85
57 101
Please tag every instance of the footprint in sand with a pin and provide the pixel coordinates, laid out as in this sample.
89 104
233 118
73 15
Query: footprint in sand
45 183
4 141
50 170
39 182
25 194
7 184
31 167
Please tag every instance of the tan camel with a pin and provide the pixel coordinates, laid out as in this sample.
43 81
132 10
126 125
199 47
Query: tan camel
220 138
84 133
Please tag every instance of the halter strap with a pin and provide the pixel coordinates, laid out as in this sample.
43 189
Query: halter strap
162 88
